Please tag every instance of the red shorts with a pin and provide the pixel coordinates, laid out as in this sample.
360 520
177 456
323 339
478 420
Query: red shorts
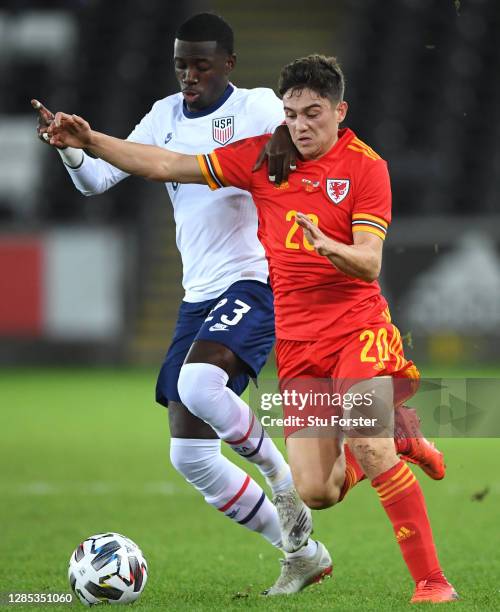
335 365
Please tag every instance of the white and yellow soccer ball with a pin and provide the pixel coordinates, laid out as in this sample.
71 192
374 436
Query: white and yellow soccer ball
107 568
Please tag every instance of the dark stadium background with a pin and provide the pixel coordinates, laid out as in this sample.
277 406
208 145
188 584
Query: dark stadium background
423 88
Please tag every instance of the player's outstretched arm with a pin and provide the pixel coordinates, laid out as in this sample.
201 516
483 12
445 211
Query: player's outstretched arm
281 155
362 260
147 161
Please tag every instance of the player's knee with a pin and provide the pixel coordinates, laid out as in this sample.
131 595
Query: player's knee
181 461
317 496
189 385
200 386
193 460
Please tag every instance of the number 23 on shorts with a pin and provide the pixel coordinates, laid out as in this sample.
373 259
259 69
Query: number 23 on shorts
241 309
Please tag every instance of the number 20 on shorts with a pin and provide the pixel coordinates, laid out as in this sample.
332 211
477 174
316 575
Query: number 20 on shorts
378 347
380 340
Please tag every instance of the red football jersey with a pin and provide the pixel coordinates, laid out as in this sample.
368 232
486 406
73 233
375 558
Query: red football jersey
344 191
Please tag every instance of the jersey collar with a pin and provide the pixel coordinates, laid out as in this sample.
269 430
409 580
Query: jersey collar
210 109
345 136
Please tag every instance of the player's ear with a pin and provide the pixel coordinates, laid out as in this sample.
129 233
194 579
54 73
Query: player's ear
342 110
230 63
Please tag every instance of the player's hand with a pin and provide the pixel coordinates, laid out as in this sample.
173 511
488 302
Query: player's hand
69 131
281 156
45 118
314 235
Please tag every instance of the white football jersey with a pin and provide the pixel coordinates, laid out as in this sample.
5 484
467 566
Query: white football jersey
216 231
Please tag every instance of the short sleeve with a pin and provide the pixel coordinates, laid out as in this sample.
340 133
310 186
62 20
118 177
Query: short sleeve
265 109
232 165
274 113
371 211
143 132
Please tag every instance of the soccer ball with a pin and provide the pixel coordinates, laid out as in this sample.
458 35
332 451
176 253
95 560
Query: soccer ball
107 568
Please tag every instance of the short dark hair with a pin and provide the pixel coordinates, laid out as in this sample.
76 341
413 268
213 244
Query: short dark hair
317 72
207 26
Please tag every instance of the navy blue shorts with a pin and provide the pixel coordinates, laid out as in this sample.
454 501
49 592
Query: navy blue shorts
242 318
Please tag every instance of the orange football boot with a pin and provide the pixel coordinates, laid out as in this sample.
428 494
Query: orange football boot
420 451
434 591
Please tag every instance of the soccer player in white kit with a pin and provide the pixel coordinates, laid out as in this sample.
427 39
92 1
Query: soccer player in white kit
225 328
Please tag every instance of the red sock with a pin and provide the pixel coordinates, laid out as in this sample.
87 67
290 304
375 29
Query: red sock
404 503
353 473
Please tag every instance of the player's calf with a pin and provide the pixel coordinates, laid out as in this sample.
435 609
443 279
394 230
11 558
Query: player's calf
225 486
318 467
202 388
374 455
372 442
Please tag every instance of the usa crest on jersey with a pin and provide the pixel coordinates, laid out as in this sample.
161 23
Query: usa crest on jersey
337 189
223 129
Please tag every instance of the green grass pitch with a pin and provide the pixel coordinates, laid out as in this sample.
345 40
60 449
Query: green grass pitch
85 451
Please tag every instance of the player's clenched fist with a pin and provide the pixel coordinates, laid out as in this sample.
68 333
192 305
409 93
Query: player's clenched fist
314 235
69 131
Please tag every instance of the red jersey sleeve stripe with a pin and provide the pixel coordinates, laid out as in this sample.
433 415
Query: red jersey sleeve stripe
376 226
370 217
206 173
363 151
363 145
368 228
212 169
218 170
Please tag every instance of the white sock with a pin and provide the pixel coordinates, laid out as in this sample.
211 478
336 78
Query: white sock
225 486
308 550
202 389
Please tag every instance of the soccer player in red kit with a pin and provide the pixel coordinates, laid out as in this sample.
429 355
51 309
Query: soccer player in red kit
323 233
